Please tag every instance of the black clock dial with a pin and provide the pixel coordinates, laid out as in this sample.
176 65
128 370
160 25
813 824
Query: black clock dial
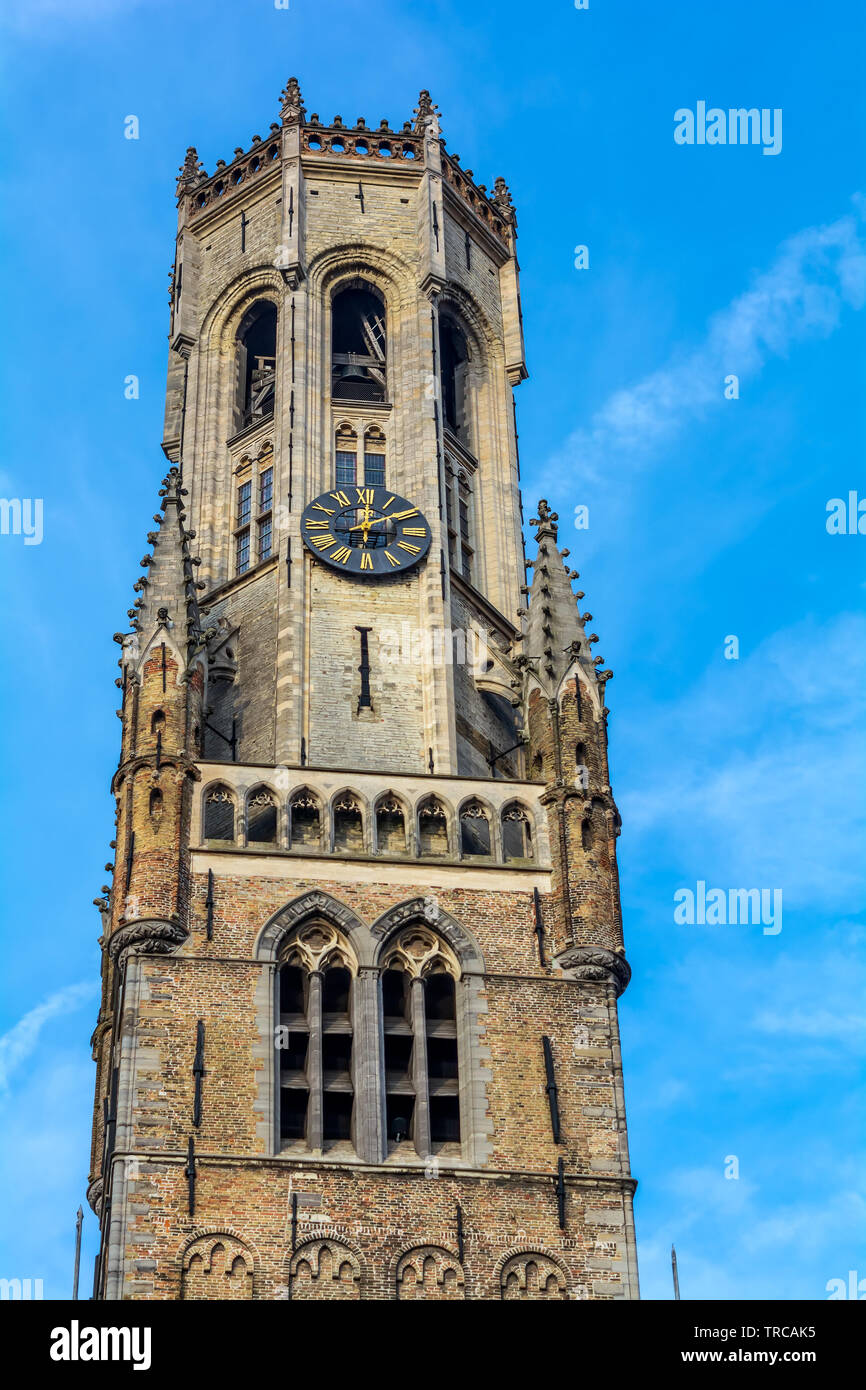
365 531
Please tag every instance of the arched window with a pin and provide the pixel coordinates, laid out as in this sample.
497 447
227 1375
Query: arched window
358 344
374 458
516 833
261 818
256 363
419 1015
348 824
399 1084
294 1045
440 1013
346 456
474 830
337 1088
314 1041
432 827
390 826
453 359
586 833
219 814
305 820
458 519
581 771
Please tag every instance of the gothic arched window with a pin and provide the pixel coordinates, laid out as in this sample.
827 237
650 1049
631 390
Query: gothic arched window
219 814
346 456
390 825
422 1075
261 818
374 458
516 832
348 824
257 363
314 1040
432 827
453 365
358 344
474 830
305 820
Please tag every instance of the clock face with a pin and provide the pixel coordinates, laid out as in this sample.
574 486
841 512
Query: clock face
365 531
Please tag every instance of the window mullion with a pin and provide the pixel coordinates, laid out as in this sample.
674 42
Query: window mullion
315 1115
420 1078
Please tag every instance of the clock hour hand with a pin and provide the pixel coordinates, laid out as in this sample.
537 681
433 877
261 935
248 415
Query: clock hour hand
365 525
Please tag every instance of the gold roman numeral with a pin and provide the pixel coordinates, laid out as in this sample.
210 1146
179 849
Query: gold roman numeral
342 554
341 498
366 560
414 531
317 507
413 549
386 505
323 542
392 558
316 525
365 495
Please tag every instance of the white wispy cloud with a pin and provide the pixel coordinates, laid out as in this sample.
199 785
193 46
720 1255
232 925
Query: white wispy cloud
19 1043
815 274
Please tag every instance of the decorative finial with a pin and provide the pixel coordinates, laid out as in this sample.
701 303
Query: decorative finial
191 171
545 521
502 199
292 110
424 110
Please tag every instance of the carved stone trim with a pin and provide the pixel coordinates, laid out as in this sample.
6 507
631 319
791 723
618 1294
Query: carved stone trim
94 1196
314 903
149 937
595 965
428 910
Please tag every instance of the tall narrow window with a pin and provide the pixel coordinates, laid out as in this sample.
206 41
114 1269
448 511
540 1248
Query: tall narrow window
374 458
432 828
314 1042
293 1052
337 1087
422 1078
358 344
453 359
390 826
440 1015
266 506
474 831
261 818
257 363
458 520
305 820
348 825
243 517
516 833
219 814
398 1033
346 456
466 551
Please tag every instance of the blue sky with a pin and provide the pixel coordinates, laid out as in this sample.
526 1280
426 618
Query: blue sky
706 519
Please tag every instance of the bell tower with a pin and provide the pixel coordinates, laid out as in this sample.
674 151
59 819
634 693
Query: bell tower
362 948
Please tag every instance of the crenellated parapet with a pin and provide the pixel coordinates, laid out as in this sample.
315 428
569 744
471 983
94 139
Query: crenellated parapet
358 146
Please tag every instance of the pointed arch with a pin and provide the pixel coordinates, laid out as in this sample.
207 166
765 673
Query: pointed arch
429 913
315 903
